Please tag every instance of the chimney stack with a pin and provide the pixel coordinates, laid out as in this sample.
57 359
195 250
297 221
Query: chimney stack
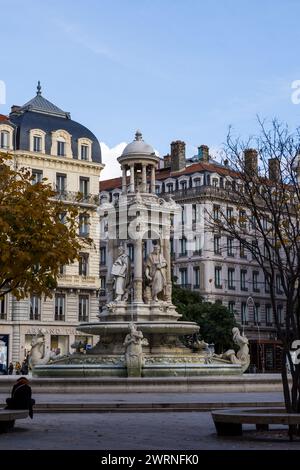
250 161
177 155
203 153
167 161
274 169
15 108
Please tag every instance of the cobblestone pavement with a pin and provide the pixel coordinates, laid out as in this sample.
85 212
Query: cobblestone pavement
132 431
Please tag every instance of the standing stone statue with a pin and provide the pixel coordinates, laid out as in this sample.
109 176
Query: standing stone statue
134 358
155 272
121 273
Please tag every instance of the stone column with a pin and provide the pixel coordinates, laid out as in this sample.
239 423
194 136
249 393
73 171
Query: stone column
124 183
144 179
132 178
153 179
138 271
165 244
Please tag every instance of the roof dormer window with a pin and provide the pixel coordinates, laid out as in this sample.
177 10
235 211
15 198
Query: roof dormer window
4 140
61 147
84 152
37 143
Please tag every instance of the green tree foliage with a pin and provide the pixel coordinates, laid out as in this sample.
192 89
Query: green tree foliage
215 320
34 240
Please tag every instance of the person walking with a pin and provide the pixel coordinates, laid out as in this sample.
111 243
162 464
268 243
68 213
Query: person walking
10 368
18 368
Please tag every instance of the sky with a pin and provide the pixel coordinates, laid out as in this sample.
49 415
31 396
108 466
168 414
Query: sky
176 69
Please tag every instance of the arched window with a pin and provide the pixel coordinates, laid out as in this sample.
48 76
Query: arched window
61 147
4 142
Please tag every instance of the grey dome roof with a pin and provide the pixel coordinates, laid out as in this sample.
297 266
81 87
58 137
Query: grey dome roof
138 146
40 113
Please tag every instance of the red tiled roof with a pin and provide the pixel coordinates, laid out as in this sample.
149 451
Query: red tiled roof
165 173
3 117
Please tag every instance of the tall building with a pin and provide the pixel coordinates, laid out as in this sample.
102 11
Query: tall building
44 138
213 264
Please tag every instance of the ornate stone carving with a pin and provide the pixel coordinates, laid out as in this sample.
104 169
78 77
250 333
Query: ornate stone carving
155 272
121 274
37 354
134 358
242 356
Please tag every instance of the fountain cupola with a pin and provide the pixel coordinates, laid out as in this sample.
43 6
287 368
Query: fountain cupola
139 159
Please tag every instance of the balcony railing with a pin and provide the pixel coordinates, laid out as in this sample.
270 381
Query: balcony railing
3 316
35 317
185 286
83 319
59 317
77 197
199 190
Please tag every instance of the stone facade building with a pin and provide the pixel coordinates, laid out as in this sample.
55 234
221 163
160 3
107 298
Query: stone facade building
44 138
212 264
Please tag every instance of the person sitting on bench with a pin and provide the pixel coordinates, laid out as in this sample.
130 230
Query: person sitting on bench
21 397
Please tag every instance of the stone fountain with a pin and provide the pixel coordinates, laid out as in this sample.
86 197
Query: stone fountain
140 332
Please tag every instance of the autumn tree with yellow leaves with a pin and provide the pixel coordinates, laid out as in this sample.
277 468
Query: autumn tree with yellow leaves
38 234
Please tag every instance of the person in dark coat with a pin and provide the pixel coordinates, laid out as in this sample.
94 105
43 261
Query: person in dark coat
10 368
21 397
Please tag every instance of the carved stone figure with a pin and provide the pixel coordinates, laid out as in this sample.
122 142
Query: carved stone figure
37 354
155 272
121 274
242 356
134 358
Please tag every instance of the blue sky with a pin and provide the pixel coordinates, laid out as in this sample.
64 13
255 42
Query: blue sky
176 69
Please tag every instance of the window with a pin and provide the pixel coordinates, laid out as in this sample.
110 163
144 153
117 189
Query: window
242 250
267 283
269 318
61 183
280 314
230 246
254 250
255 282
256 308
61 148
60 305
244 313
102 286
84 152
278 284
103 255
217 245
84 225
198 245
216 212
231 280
169 187
3 315
218 271
183 277
194 213
83 308
83 264
231 306
243 279
183 251
229 214
37 176
63 218
183 185
197 182
215 182
131 253
196 277
37 143
35 307
242 218
62 270
4 140
84 186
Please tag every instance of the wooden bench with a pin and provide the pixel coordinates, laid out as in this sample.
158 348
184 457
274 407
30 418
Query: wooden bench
229 422
8 417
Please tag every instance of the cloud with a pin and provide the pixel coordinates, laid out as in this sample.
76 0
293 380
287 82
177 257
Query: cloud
109 158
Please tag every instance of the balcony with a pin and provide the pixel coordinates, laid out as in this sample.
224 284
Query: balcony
204 190
182 254
91 282
185 286
78 198
83 319
59 317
